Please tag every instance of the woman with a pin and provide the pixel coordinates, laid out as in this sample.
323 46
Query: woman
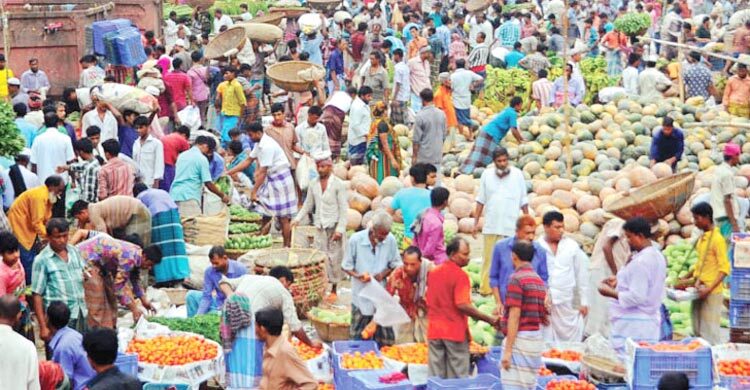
377 79
62 123
383 154
13 280
456 50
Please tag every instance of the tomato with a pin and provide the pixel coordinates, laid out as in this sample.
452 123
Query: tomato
359 361
407 353
173 350
738 367
565 354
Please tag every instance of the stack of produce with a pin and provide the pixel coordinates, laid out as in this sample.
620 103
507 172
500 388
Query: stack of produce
564 354
569 384
692 357
415 353
633 23
243 228
481 332
183 11
173 350
238 213
397 229
11 142
232 7
224 185
305 351
206 325
331 316
247 243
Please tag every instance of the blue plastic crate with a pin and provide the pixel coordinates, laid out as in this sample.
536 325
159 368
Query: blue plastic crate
735 382
612 386
166 386
351 346
479 382
341 376
650 365
739 314
542 381
739 284
127 363
490 363
102 27
128 47
369 380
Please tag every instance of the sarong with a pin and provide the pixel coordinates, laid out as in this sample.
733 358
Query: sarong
99 297
140 224
597 320
278 194
525 360
166 183
167 234
638 327
398 113
228 122
481 153
383 335
333 120
334 250
565 324
245 361
357 153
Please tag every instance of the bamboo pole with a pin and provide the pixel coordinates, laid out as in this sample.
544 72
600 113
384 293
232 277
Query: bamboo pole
566 108
716 124
694 48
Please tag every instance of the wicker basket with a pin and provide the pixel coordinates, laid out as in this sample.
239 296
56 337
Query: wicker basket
477 5
262 32
290 12
324 5
603 369
273 18
304 237
204 4
235 254
176 295
657 199
308 266
233 38
284 75
329 331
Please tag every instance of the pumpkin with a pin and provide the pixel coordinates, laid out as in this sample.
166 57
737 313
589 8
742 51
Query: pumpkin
464 183
562 199
353 219
661 170
587 203
461 208
390 185
640 176
562 184
357 169
340 171
466 225
359 202
365 185
570 220
543 187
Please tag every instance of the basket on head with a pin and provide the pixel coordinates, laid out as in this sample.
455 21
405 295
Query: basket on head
655 200
262 32
286 75
324 5
290 12
477 5
273 18
233 38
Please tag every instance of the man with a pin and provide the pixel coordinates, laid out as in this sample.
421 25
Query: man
101 348
412 201
6 74
514 57
556 40
501 199
430 130
103 117
535 61
58 276
221 20
443 100
737 93
230 99
91 75
638 289
191 174
16 95
179 86
118 216
523 320
448 308
630 74
85 172
698 78
541 90
576 88
401 88
148 153
65 345
27 129
509 33
116 177
269 292
18 178
419 76
726 210
480 26
311 45
180 52
430 236
488 140
652 82
174 144
94 134
503 265
245 15
283 369
372 253
312 136
708 276
28 216
212 298
327 196
409 283
50 150
34 79
360 120
19 362
416 44
741 38
462 83
668 144
568 268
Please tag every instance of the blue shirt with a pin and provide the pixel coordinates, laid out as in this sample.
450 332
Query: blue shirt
411 201
216 166
502 123
127 136
312 47
27 130
502 265
663 147
396 44
508 33
68 352
512 59
157 201
191 171
211 279
335 64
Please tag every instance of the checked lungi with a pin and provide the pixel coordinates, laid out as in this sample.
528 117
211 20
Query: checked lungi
278 195
481 153
167 234
525 360
100 297
140 224
398 113
333 120
243 351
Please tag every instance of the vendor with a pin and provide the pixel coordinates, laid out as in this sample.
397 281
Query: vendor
668 144
118 216
212 298
409 283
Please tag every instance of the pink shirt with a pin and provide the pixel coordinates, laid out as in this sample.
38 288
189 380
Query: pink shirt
199 80
419 75
11 278
178 84
430 239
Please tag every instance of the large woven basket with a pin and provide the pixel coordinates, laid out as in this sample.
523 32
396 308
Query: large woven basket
324 5
233 38
284 75
329 331
262 32
308 266
477 5
204 4
273 18
657 199
290 12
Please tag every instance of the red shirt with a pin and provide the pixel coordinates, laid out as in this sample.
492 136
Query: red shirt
447 287
527 291
174 144
358 43
178 84
399 283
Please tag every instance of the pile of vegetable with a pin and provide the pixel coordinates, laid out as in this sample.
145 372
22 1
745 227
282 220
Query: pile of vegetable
415 353
681 259
248 242
563 354
183 11
224 185
305 351
397 230
243 228
206 325
238 213
11 141
483 333
633 23
331 316
232 7
361 361
173 350
569 384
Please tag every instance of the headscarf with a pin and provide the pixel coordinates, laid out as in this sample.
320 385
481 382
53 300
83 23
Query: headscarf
237 315
50 375
378 112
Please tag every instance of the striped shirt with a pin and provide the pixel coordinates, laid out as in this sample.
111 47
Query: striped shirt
116 177
541 90
478 57
508 34
58 280
526 290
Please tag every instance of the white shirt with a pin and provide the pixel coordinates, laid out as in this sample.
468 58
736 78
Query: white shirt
247 16
568 269
630 80
269 154
502 200
359 122
108 125
649 82
330 207
340 100
401 78
461 81
485 27
313 139
721 186
29 179
50 150
266 292
149 156
744 206
19 362
224 21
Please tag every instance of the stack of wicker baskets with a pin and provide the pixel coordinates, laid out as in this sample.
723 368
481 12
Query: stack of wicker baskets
286 75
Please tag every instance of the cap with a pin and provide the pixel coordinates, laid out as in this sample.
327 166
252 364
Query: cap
445 76
732 150
424 49
180 42
25 152
14 81
153 91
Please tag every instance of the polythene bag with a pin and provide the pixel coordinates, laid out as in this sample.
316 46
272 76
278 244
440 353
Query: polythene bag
190 116
306 171
388 311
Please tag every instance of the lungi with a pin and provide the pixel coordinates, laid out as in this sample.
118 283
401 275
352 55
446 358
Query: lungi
525 360
398 113
228 122
245 361
357 153
383 335
414 331
565 324
742 110
725 227
333 120
448 359
488 247
597 320
166 182
140 224
167 234
416 102
334 250
278 194
481 153
100 297
706 316
638 327
188 208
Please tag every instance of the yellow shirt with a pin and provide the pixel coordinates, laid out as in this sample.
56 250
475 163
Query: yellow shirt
674 69
712 259
232 97
29 214
5 74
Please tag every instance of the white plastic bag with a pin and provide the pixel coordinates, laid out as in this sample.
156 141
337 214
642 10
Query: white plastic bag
190 116
306 172
388 312
309 23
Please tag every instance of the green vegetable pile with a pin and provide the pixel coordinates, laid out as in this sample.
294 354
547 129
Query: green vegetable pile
224 185
243 228
594 70
182 10
633 23
206 325
232 7
248 242
474 271
330 316
681 259
11 141
239 213
482 332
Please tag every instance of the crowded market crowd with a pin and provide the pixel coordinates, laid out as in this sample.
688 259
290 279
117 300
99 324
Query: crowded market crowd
68 265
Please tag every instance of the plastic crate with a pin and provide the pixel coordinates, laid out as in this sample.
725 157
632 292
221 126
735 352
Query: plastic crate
612 386
479 382
351 346
650 365
369 380
166 386
739 314
128 47
738 335
739 284
542 381
490 363
735 382
100 28
341 377
127 363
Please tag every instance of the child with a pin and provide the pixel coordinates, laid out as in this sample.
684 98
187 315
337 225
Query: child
522 321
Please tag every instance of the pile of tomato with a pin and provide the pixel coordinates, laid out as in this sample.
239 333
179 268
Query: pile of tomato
326 386
544 371
173 350
738 367
407 353
361 361
567 384
477 349
305 351
564 354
